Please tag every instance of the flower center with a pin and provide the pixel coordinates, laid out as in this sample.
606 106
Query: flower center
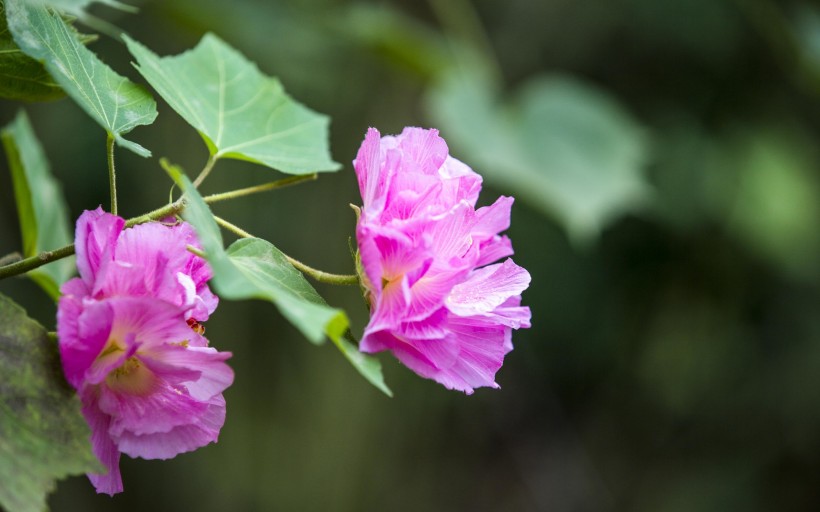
132 377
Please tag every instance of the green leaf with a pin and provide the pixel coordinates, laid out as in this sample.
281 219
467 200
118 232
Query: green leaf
40 203
116 103
565 147
368 366
265 273
238 111
43 436
21 77
252 268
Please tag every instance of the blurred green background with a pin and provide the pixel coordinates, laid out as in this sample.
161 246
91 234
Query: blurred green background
664 154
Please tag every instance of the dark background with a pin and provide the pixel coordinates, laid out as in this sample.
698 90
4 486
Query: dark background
673 362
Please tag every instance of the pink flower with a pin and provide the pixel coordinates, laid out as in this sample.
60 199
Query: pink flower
150 385
438 302
148 260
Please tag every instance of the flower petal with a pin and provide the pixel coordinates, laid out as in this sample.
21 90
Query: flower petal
94 241
164 408
203 429
82 330
102 445
487 288
202 370
367 165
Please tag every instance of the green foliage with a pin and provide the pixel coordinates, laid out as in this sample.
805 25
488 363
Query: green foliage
775 200
21 77
238 111
264 272
42 209
398 38
43 436
254 268
116 103
566 147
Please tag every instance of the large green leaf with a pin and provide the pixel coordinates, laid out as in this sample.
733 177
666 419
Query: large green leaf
115 102
254 268
41 206
21 77
240 112
565 147
43 436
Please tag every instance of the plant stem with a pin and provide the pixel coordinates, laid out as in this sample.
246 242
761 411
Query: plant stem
160 213
112 172
319 275
205 171
273 185
233 228
194 250
324 277
35 261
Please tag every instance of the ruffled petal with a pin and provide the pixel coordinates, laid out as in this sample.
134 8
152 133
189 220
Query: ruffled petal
487 288
152 321
367 165
460 183
94 241
494 249
202 370
493 219
102 445
202 429
423 151
428 358
160 410
82 330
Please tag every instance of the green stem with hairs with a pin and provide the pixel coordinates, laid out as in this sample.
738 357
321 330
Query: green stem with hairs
209 165
112 172
273 185
35 261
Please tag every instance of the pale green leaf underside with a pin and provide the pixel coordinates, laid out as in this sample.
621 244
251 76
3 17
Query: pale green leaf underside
113 101
42 209
240 112
43 436
254 268
563 146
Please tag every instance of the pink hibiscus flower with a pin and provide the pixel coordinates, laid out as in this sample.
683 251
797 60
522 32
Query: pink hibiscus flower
437 301
150 385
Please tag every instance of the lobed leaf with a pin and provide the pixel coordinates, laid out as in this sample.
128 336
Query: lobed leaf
43 436
113 101
254 268
44 221
238 111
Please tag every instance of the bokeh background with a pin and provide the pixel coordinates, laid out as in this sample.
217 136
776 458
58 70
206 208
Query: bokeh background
664 156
